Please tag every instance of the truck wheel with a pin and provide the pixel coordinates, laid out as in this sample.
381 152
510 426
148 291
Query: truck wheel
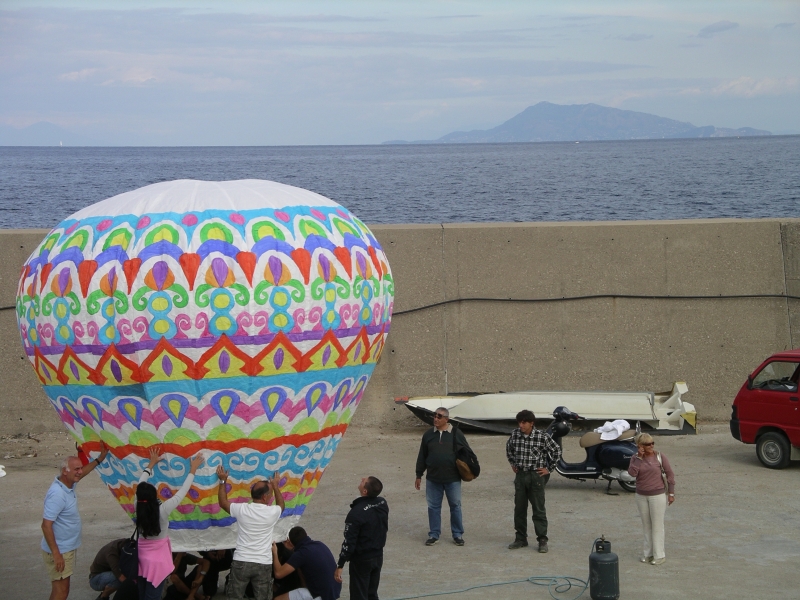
772 450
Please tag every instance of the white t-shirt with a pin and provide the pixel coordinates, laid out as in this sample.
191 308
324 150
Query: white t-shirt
256 522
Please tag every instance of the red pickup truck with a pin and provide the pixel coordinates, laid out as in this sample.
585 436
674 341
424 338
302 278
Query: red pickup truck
766 411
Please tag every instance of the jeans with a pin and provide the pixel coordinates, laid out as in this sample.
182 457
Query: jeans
365 576
652 510
99 582
529 488
148 591
243 573
433 494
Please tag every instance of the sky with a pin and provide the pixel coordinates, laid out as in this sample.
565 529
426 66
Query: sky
352 72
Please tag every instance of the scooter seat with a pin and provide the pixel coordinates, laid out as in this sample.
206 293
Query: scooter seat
592 438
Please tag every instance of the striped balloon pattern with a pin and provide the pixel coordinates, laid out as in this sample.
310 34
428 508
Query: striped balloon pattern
247 333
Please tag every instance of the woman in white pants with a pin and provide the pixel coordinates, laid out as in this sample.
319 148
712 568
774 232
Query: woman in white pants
651 469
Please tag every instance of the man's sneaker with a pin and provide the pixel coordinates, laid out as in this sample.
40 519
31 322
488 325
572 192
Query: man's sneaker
431 541
543 546
458 541
516 544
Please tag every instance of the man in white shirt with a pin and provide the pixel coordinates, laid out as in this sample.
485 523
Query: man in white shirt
252 560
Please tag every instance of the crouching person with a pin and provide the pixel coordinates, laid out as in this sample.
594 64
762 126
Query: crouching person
105 575
315 563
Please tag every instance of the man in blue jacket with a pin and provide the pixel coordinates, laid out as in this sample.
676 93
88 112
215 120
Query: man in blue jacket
364 538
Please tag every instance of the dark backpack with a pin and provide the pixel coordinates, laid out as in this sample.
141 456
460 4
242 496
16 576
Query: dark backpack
466 460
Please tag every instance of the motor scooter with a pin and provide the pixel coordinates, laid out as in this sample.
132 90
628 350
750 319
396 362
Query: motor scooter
608 459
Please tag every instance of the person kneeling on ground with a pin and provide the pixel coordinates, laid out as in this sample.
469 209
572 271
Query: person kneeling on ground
289 582
218 561
365 530
105 575
183 584
252 560
207 571
315 563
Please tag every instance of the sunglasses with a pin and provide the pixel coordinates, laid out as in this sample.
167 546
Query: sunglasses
649 444
439 416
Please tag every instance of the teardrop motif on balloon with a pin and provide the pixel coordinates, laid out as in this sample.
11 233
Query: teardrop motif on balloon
341 394
94 409
315 395
224 404
132 410
175 406
272 400
68 407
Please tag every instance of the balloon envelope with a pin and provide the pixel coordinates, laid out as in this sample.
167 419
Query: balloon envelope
242 319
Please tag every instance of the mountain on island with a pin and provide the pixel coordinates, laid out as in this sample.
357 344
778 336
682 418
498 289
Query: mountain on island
42 134
548 122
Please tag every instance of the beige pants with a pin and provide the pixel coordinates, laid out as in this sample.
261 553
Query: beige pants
652 510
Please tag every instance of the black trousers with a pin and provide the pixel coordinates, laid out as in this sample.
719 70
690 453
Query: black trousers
365 577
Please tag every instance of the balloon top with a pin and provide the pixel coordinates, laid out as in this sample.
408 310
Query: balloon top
183 195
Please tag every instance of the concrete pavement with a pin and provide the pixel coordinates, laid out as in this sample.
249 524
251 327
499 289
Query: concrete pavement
734 531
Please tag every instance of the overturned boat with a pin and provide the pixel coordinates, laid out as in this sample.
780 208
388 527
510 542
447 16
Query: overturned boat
663 413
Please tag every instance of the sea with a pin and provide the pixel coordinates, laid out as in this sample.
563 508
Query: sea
560 181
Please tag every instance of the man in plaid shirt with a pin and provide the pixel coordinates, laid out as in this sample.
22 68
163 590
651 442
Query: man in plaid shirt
532 455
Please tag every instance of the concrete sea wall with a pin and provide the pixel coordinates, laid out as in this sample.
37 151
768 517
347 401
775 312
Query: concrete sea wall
589 344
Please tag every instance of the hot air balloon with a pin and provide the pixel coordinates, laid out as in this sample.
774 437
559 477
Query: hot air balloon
242 319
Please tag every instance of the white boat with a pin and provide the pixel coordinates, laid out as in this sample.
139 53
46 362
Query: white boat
664 412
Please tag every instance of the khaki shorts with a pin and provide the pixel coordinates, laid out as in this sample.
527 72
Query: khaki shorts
69 565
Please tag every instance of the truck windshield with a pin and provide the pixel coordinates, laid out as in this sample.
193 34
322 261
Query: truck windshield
777 375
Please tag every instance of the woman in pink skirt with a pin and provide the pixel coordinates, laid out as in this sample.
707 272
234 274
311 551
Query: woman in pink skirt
152 523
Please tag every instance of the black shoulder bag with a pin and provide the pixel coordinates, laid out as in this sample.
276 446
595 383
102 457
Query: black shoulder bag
129 557
466 460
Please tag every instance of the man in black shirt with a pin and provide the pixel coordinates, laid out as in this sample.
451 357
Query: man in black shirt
364 538
315 563
437 456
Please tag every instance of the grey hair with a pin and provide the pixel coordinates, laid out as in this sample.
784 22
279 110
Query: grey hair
444 410
65 463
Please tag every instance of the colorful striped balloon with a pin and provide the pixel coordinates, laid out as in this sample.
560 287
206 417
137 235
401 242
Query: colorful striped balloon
239 318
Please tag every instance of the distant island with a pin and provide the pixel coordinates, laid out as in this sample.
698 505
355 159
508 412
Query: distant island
548 122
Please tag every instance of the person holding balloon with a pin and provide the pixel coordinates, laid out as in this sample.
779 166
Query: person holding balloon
152 525
252 559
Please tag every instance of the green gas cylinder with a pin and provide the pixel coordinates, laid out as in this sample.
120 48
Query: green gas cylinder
603 572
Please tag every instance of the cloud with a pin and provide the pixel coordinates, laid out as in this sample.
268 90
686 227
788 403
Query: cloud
442 17
711 30
784 25
748 87
635 37
81 75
